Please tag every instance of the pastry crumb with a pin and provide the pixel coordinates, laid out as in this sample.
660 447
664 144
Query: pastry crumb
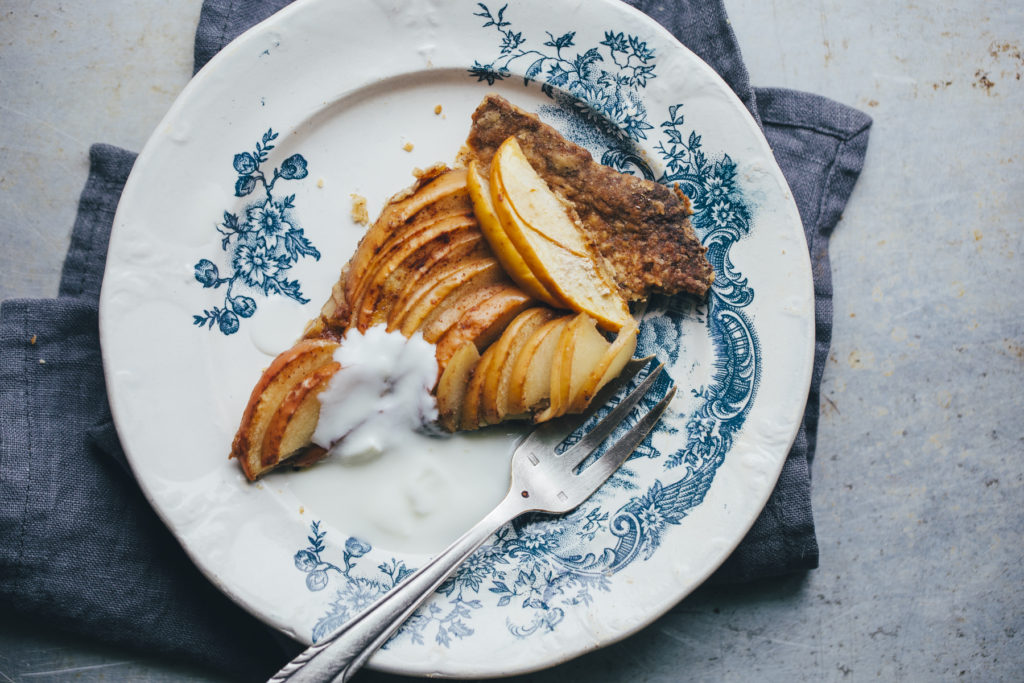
320 183
32 341
359 212
42 362
437 110
407 147
431 171
302 510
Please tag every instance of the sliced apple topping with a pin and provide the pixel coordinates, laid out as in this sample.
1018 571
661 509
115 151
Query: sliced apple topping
505 350
284 373
449 295
490 225
578 365
453 385
433 221
439 265
533 201
529 382
561 371
384 286
589 347
470 416
291 428
607 368
483 323
464 299
428 192
552 246
496 273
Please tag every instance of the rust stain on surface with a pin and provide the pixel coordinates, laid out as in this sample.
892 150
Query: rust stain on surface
999 52
981 80
999 49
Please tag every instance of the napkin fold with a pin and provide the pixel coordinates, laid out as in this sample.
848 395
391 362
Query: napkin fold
80 548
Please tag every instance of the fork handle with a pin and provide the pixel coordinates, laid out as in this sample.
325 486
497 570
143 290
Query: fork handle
342 653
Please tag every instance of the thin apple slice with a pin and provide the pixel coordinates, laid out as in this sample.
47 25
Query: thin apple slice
427 192
427 219
517 383
440 253
483 323
485 413
461 300
441 262
291 428
589 349
453 385
413 259
453 294
446 207
449 290
382 288
506 349
576 280
469 418
608 368
490 225
535 393
533 199
286 370
561 371
359 281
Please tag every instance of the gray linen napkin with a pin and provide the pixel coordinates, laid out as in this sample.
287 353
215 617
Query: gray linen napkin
81 550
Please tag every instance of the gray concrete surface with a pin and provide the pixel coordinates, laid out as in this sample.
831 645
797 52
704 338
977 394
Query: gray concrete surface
919 475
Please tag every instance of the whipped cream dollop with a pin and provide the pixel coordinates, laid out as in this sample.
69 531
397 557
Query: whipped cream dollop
379 396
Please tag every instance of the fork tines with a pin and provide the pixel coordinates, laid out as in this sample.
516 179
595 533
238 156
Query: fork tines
550 434
620 451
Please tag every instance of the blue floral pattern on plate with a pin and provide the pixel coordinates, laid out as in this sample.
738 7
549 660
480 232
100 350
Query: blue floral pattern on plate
262 244
540 567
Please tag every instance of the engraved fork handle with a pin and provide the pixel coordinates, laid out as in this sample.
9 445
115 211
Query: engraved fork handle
342 653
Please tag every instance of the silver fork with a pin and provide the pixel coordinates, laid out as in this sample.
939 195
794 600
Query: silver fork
542 481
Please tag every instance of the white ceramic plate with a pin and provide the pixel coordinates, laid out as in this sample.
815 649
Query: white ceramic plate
237 212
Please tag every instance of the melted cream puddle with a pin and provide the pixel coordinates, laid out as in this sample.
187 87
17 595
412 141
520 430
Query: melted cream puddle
415 499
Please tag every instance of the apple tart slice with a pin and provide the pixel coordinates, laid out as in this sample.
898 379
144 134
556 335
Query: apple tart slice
509 267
